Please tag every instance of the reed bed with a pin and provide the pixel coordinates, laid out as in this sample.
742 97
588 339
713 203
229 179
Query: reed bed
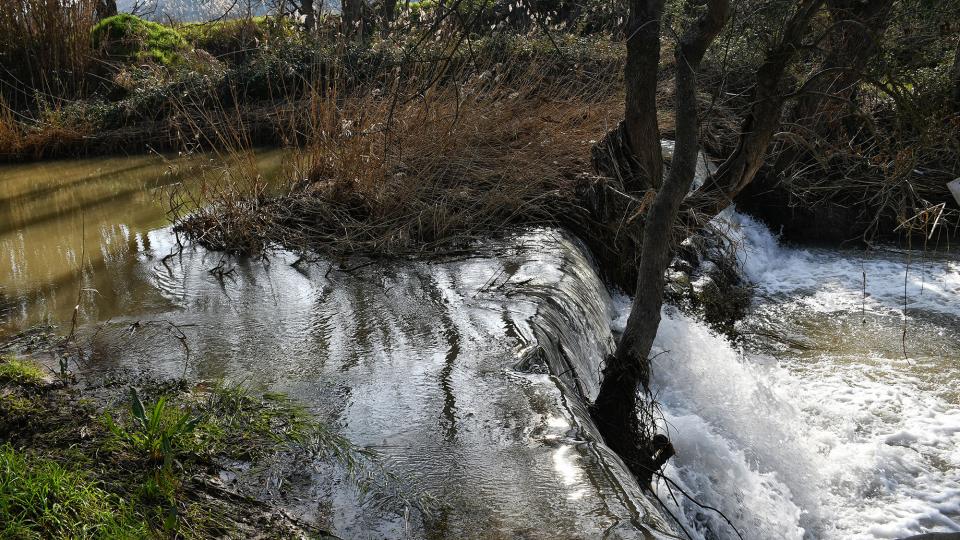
45 48
405 165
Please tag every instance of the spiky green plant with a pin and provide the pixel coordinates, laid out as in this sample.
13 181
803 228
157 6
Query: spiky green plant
158 432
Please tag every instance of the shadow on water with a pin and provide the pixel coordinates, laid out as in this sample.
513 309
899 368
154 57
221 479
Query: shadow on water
103 210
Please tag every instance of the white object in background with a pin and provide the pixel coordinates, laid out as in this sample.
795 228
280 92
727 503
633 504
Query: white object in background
955 189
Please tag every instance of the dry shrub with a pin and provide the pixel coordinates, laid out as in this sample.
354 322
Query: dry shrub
11 137
414 169
37 138
44 47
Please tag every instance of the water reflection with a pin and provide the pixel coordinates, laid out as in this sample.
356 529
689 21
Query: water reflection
83 227
413 359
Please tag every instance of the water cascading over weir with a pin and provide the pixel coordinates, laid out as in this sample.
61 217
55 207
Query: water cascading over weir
470 376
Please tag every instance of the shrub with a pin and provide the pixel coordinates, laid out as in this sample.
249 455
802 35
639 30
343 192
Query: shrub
235 37
130 37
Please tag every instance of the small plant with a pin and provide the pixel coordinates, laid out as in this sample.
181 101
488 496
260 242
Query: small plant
158 433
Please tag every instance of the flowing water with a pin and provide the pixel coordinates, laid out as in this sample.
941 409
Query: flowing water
467 374
837 416
470 375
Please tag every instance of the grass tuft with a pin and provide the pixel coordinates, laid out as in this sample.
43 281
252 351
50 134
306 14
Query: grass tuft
41 499
21 372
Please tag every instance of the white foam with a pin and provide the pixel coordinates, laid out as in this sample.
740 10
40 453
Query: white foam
833 280
816 447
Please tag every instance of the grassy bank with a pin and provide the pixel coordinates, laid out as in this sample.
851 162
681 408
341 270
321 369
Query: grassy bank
152 86
123 458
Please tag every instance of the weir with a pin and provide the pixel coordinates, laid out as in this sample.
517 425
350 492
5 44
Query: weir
470 377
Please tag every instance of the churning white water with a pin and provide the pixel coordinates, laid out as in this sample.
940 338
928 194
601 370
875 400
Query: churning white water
837 415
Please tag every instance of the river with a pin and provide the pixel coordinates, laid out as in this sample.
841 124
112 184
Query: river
835 415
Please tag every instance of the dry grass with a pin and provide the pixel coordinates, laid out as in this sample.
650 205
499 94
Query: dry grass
401 169
36 138
45 47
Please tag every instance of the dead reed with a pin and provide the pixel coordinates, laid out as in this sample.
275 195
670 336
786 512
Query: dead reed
44 48
413 166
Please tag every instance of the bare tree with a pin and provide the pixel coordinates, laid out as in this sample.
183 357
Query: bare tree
617 406
628 369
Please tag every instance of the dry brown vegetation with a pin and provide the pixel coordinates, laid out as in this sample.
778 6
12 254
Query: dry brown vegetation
396 170
44 45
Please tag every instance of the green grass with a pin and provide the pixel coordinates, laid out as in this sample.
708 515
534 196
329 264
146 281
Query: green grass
137 469
129 36
23 372
41 499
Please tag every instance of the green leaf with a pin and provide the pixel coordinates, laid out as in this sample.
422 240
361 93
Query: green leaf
137 407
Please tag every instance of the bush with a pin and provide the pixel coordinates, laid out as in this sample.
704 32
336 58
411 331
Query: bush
130 37
235 38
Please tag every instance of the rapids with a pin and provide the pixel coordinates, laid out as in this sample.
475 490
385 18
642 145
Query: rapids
827 420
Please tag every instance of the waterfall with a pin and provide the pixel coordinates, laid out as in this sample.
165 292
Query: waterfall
820 428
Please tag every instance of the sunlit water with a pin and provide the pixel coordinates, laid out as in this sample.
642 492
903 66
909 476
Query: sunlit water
469 375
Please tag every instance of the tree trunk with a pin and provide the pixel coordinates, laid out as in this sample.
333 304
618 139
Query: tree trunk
106 8
628 369
956 79
389 14
757 129
309 15
855 39
829 95
351 18
631 152
640 76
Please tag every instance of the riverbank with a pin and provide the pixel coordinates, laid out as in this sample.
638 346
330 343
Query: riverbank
397 353
441 122
121 455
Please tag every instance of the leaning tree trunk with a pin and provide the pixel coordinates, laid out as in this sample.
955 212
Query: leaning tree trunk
757 129
628 370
